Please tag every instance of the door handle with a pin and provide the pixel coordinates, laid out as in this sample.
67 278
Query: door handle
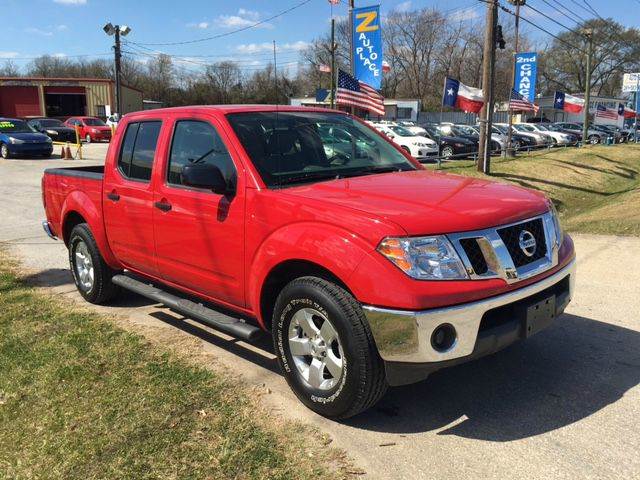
113 196
164 206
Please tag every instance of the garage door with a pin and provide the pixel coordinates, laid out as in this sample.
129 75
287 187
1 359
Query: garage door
65 101
19 102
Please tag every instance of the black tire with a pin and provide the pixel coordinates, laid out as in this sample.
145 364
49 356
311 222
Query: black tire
406 149
593 139
102 290
447 152
4 151
362 381
517 145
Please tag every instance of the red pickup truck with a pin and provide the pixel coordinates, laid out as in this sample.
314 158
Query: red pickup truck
367 269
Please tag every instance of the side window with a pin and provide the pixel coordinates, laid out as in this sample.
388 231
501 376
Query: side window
197 142
138 150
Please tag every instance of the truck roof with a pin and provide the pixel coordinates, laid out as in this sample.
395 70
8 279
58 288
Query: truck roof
224 109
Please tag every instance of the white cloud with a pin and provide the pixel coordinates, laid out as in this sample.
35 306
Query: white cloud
71 2
464 14
403 7
59 55
251 48
37 31
200 25
244 18
9 54
62 27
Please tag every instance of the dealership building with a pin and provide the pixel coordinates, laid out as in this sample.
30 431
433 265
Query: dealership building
63 97
395 109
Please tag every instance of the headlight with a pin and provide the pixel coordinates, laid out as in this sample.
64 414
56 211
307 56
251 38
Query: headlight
556 224
94 130
52 132
48 140
424 258
419 144
15 141
459 145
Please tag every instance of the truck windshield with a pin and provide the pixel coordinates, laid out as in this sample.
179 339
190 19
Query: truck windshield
290 148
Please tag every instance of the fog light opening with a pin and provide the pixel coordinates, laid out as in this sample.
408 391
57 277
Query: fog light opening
443 337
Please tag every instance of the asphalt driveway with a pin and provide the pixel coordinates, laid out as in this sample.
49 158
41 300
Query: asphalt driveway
565 404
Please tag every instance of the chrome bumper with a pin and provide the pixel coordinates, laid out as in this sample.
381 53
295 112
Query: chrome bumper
405 336
47 229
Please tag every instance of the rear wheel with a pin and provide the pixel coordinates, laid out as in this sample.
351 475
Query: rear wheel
91 274
406 149
4 151
593 139
325 348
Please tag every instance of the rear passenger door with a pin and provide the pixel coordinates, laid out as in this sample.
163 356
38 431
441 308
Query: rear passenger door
200 234
128 197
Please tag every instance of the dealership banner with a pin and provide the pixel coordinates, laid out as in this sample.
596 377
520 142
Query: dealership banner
367 45
526 71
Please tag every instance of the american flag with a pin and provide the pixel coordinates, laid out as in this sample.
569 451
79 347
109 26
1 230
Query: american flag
608 113
358 94
519 103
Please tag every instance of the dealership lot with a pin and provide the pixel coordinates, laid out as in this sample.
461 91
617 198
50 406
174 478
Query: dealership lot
565 404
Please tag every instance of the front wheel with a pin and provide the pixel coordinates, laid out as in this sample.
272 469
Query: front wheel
325 348
4 151
91 274
593 139
87 138
447 152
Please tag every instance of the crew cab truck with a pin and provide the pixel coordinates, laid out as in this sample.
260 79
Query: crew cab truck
367 269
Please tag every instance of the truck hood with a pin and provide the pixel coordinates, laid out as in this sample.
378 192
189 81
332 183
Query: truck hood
423 202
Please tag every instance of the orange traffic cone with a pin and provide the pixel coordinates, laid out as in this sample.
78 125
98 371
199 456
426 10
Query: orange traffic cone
67 153
62 153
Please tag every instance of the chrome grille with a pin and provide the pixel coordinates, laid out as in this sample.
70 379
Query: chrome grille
497 253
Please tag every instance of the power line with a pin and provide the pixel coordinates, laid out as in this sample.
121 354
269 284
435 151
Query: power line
59 56
569 14
241 29
215 55
552 19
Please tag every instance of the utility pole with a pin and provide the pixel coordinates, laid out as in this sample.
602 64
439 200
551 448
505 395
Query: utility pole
587 93
333 63
488 75
275 73
518 3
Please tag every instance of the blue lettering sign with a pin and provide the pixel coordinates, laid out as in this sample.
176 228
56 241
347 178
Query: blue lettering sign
367 45
526 71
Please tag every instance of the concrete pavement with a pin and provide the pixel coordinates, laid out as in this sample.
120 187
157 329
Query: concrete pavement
564 404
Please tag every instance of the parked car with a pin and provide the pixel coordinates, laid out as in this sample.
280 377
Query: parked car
518 141
537 140
451 146
54 129
112 120
419 147
471 133
559 137
543 139
593 136
17 138
92 129
368 272
609 131
413 127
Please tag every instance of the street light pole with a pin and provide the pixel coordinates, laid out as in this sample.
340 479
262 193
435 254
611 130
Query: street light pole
117 31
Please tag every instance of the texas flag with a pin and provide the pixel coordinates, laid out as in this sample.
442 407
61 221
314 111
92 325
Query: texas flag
568 103
629 113
460 96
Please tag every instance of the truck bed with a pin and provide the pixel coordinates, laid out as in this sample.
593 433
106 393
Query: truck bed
62 186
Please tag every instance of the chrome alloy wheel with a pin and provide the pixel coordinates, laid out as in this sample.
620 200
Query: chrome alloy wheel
84 267
316 349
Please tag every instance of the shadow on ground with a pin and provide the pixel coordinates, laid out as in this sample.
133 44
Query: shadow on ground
554 379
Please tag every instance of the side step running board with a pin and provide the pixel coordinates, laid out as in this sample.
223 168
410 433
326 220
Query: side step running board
213 318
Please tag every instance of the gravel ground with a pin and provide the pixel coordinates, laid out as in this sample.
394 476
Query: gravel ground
564 404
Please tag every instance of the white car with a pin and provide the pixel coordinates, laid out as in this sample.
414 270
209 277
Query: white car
113 120
420 148
413 128
561 138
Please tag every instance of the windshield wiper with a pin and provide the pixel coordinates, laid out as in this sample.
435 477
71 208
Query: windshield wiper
309 177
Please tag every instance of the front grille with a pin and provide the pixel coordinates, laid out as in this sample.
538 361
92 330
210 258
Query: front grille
474 254
511 238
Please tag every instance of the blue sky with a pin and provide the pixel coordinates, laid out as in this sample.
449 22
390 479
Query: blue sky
74 27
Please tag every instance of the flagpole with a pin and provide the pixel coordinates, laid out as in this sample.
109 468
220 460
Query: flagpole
509 151
333 62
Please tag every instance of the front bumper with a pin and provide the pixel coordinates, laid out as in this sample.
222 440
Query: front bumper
406 336
30 148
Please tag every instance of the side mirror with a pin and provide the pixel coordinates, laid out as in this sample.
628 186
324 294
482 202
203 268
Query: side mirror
203 175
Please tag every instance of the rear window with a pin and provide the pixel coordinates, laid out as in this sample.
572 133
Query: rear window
138 150
94 122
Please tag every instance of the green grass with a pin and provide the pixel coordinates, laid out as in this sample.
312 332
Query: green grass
80 398
596 189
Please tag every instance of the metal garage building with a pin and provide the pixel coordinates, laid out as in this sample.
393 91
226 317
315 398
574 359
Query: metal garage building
63 97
